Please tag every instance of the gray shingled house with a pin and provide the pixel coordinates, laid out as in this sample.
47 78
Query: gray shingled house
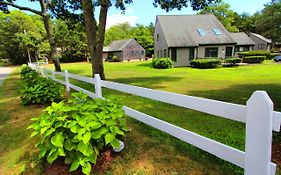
261 42
244 43
186 37
125 50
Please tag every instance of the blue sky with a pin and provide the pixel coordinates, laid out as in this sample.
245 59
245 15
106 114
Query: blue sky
143 12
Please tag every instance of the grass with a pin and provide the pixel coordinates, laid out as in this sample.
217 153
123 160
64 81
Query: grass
17 154
147 150
227 84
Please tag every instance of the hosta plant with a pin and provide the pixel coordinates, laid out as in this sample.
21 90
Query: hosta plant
78 130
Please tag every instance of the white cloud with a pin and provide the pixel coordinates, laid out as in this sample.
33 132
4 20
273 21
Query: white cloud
120 18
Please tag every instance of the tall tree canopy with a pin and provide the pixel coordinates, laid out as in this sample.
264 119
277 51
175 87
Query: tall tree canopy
20 32
269 21
45 4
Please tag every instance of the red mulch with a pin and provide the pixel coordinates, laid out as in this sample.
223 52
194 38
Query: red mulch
276 153
60 168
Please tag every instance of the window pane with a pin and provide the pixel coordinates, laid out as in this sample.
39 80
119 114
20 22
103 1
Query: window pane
217 31
201 32
211 52
174 54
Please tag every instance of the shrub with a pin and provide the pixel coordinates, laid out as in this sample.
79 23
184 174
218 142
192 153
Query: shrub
253 59
114 59
233 61
205 63
78 130
162 63
255 53
38 90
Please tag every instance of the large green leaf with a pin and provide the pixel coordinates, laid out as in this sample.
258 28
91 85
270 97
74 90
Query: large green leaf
86 137
87 168
74 166
57 140
109 137
115 144
98 133
52 157
94 125
85 149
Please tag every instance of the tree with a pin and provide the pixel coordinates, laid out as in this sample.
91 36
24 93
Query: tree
268 22
43 13
224 14
20 32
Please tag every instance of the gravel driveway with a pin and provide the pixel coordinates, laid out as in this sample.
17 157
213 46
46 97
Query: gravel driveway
4 71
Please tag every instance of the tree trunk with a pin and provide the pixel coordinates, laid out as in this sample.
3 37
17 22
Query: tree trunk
100 38
49 35
91 31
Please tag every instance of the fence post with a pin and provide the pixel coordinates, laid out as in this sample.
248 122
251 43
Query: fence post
258 134
98 90
66 81
53 75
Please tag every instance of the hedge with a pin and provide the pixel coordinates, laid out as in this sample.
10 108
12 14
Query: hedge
232 61
254 59
255 53
162 63
203 63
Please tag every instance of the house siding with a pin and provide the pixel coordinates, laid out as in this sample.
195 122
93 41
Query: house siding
133 51
161 44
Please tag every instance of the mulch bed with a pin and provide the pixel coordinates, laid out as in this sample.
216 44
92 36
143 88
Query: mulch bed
60 168
276 153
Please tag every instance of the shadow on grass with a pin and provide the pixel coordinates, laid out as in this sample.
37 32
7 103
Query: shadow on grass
148 65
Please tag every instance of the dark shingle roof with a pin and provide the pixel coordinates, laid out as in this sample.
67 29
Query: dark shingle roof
242 38
118 45
181 30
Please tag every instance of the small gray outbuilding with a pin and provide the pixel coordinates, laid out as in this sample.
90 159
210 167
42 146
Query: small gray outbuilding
124 50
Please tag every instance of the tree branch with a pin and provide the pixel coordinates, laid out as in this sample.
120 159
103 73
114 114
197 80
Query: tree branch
21 8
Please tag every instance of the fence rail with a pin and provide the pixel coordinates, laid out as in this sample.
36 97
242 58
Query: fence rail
258 115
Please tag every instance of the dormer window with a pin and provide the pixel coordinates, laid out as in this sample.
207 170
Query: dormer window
217 31
201 32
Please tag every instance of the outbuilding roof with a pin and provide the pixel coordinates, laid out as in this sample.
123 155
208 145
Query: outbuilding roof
242 38
261 37
118 45
193 30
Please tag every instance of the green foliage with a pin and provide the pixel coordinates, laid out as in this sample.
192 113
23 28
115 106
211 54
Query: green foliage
255 53
232 61
78 130
253 59
204 63
114 59
38 90
162 63
20 32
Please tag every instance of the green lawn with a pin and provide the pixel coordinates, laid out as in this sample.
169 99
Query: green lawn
227 84
147 150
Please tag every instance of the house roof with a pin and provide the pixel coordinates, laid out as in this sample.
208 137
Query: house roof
261 37
118 45
182 30
242 38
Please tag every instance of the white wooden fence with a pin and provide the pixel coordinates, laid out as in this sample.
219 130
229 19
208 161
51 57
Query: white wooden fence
258 115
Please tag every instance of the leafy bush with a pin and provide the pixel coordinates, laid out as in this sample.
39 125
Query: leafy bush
38 90
233 61
28 75
162 63
253 59
72 56
78 130
255 53
203 63
114 59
